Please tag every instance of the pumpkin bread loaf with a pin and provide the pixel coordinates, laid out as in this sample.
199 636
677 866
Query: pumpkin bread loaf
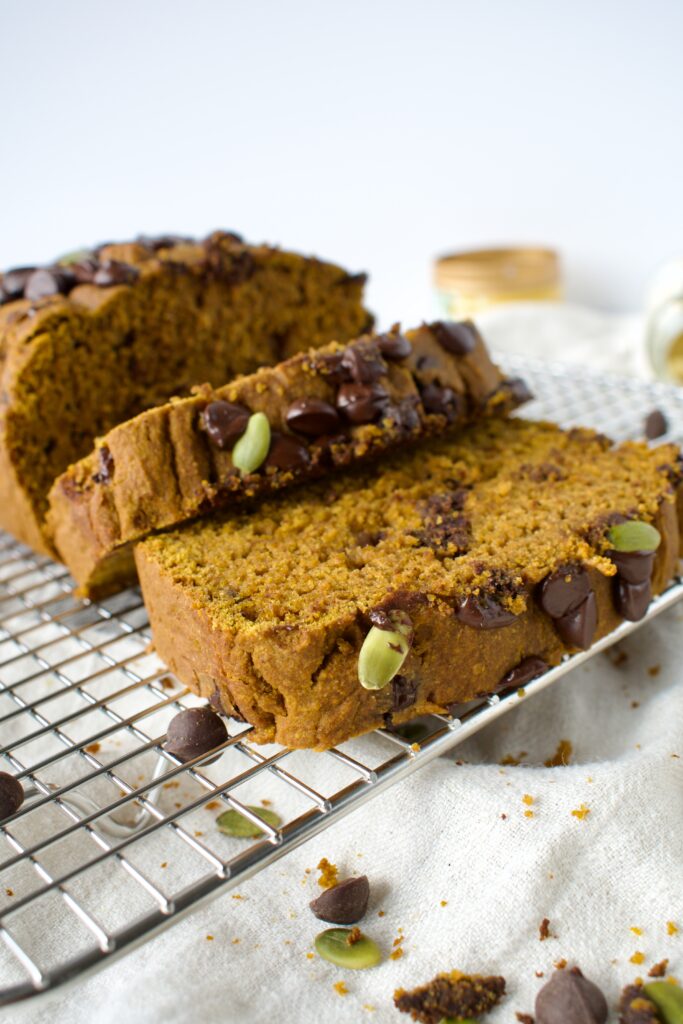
320 411
467 565
105 334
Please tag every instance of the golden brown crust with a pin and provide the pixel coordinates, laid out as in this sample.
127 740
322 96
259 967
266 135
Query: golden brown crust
298 684
73 365
166 470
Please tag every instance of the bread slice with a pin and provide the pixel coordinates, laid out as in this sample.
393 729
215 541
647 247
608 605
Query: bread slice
491 547
326 409
105 334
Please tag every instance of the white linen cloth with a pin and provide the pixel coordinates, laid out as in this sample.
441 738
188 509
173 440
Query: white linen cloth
454 862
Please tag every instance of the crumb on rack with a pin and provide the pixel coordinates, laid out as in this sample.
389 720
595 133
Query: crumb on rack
93 748
310 956
266 803
443 903
671 928
527 799
636 930
581 812
328 874
544 929
415 747
658 970
340 988
212 805
209 938
562 755
236 942
164 864
9 892
560 964
638 957
173 784
381 913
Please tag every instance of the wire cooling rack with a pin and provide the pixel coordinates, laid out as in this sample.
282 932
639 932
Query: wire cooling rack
84 707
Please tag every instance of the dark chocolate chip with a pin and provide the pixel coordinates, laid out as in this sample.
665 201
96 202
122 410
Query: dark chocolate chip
569 998
528 669
633 566
564 590
405 415
362 363
287 453
216 701
106 464
403 693
156 242
518 390
14 282
49 281
194 732
577 627
656 424
442 401
224 422
344 903
84 271
482 612
457 338
115 272
362 403
632 599
351 279
313 417
11 795
394 346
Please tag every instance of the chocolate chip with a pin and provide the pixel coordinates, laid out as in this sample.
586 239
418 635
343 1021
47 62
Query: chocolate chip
528 669
216 703
11 795
224 422
115 272
106 463
403 693
633 566
457 338
394 345
632 599
193 732
442 401
656 424
405 414
287 453
352 279
362 403
84 271
313 417
569 998
518 390
481 612
344 903
13 283
49 281
362 363
564 590
156 242
577 627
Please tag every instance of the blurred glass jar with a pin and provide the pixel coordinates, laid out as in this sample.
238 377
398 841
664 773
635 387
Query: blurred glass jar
665 323
469 282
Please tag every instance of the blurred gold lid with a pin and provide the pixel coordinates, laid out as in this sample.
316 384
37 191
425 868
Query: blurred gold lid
515 272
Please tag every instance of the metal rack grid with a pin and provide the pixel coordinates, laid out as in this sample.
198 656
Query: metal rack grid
83 710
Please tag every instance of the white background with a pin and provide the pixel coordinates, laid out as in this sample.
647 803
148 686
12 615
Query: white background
374 133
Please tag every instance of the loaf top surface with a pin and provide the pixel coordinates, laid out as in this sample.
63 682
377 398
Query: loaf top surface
493 510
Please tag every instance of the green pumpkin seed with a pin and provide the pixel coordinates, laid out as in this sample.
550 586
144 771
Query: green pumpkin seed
252 448
384 651
333 945
634 536
232 823
668 999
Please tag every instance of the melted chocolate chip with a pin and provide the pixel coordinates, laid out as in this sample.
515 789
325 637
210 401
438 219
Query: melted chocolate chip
482 612
394 345
13 283
633 566
403 693
528 669
106 464
48 281
569 998
446 530
457 338
224 422
11 795
518 390
564 590
344 903
362 363
287 453
577 627
313 417
115 272
156 242
362 403
656 424
194 732
84 271
442 401
632 599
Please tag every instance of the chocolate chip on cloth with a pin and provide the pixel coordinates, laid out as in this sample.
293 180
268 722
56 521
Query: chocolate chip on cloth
636 1008
362 403
566 596
224 422
344 903
451 994
193 732
313 417
569 998
457 338
11 795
